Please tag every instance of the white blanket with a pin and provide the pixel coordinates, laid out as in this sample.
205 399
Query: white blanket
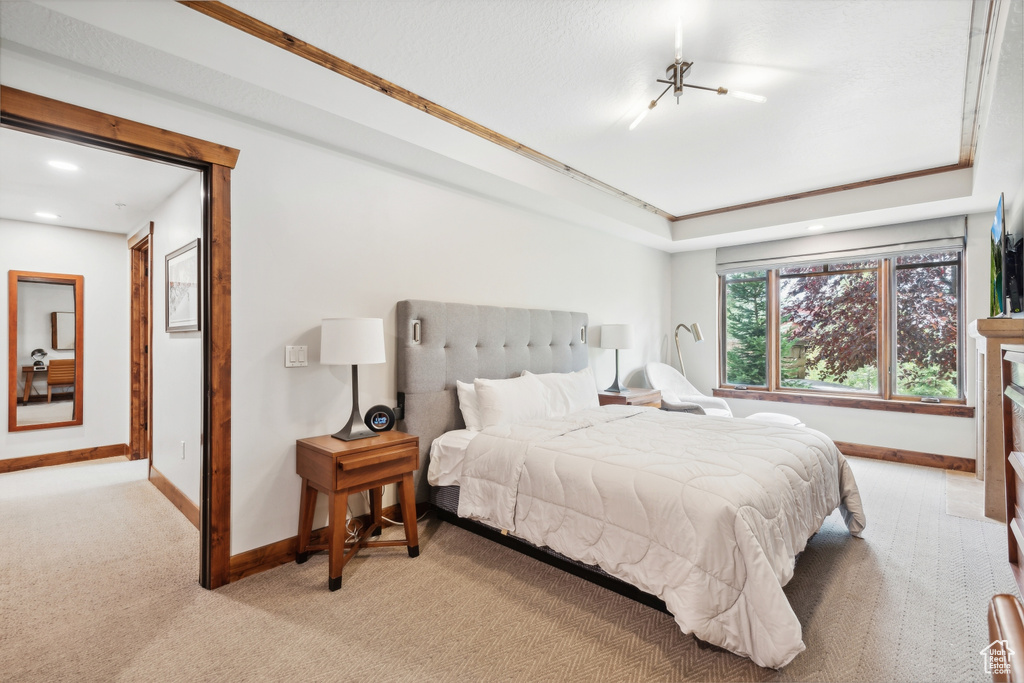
707 513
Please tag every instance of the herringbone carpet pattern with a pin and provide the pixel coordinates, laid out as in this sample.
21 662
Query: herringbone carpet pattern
98 583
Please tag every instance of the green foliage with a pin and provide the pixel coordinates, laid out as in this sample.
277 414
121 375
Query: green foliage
928 380
746 307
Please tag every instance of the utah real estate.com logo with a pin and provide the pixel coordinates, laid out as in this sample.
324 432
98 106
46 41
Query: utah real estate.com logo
997 658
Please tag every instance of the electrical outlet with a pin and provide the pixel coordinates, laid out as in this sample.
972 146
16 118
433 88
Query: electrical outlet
182 450
296 356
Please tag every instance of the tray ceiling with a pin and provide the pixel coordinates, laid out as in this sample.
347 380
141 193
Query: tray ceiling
856 90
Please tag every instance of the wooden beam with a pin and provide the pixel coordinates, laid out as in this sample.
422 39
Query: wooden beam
945 462
825 190
62 457
64 119
267 33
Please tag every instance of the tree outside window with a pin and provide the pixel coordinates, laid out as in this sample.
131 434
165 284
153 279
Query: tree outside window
837 324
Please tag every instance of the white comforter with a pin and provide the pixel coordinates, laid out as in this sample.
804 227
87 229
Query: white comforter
707 513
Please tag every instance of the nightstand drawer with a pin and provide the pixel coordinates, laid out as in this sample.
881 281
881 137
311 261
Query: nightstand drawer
379 464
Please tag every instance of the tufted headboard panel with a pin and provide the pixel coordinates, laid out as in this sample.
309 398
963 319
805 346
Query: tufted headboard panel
439 343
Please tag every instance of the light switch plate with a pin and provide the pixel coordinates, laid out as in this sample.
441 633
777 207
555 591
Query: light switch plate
295 356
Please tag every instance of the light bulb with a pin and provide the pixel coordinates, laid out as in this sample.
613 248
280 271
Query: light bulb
643 114
760 99
679 41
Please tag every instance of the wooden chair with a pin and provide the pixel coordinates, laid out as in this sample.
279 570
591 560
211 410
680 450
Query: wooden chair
61 373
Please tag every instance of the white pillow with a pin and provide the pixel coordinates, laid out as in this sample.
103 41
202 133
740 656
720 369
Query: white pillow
572 391
508 401
468 405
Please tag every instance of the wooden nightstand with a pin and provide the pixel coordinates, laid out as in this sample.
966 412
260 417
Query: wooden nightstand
631 397
339 468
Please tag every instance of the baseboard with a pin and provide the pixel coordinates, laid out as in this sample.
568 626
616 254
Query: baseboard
63 457
269 556
174 494
282 552
945 462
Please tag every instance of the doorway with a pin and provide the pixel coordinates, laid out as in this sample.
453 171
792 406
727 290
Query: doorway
33 113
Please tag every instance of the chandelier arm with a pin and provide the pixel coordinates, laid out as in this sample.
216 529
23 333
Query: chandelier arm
701 87
663 91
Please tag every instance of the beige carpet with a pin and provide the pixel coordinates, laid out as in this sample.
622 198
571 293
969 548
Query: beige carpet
98 583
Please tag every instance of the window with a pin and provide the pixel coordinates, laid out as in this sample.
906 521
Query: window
746 305
887 328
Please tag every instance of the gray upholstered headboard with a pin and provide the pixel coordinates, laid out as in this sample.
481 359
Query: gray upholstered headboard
439 343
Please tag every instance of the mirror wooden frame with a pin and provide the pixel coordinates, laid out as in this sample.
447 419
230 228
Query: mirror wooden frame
14 277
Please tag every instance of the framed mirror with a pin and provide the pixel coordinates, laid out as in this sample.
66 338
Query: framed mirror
45 323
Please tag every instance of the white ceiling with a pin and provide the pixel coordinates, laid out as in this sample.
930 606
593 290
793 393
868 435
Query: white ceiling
87 198
857 89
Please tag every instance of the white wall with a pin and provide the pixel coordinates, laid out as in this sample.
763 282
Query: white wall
317 233
102 259
695 298
177 357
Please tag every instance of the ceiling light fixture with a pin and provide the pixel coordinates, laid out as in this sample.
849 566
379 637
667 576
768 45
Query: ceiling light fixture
63 165
674 79
47 214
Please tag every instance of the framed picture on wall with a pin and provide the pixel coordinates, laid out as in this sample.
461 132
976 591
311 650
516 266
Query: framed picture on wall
181 287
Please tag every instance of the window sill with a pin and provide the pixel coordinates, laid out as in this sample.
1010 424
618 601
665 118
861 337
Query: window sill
947 409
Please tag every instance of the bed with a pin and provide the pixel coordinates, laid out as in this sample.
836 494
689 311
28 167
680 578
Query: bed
701 516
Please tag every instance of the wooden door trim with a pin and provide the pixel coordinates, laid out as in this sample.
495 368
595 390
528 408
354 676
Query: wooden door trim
32 113
140 441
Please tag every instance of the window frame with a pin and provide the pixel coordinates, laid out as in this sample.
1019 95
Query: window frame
886 398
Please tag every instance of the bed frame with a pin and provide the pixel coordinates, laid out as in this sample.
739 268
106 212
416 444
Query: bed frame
439 343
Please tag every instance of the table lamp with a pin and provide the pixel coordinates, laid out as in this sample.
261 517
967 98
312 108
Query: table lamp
616 337
355 342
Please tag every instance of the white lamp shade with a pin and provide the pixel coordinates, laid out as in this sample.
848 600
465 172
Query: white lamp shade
351 341
616 336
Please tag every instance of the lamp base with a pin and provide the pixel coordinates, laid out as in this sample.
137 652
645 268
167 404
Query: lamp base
616 387
356 428
346 434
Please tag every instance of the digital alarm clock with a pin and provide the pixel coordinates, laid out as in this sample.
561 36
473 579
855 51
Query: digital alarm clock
380 418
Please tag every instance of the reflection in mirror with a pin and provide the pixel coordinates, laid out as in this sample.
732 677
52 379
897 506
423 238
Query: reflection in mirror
45 354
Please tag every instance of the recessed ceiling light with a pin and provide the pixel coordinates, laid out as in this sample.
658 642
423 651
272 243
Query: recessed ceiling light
815 227
63 165
47 214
